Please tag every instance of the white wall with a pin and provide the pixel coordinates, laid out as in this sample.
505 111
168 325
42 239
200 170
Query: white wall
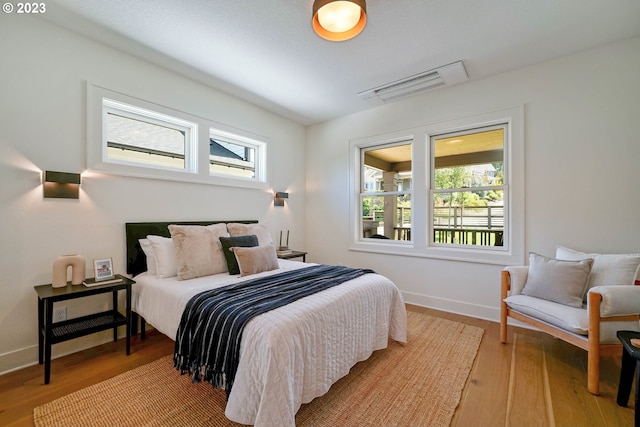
582 155
43 70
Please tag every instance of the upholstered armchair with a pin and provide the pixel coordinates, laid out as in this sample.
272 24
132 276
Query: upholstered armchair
581 298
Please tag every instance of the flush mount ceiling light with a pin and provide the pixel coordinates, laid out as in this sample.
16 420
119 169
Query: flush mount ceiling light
339 20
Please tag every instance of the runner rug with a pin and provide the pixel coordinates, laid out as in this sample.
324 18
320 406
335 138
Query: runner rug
418 384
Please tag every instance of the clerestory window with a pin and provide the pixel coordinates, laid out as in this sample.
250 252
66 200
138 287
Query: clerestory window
130 136
234 156
137 136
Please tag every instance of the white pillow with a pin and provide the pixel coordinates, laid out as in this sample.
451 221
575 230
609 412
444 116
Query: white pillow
555 280
608 269
164 252
259 230
198 250
253 260
145 244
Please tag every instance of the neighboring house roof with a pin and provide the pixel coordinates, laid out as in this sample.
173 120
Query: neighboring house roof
149 137
216 149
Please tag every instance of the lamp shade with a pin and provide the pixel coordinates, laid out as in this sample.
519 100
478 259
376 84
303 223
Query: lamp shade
339 20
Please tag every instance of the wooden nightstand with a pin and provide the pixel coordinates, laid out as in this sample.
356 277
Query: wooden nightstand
295 254
50 333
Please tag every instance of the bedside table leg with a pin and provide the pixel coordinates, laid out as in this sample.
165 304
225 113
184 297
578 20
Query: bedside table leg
47 341
143 328
129 320
40 331
115 310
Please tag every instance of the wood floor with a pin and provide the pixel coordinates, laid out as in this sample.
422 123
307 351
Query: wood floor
534 380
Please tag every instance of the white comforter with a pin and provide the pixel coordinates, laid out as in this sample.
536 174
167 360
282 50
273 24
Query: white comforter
293 354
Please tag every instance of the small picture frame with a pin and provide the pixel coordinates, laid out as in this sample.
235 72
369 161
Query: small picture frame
103 269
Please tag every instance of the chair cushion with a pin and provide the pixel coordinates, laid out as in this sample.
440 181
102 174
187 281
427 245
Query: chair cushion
559 281
572 319
608 269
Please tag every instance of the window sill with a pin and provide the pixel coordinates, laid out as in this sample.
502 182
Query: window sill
486 255
178 176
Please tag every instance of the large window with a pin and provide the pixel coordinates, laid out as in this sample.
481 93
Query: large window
452 190
130 136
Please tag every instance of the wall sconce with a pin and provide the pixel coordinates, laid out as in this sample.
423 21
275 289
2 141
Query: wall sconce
61 185
279 199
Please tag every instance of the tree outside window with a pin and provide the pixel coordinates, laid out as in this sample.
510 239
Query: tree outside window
468 187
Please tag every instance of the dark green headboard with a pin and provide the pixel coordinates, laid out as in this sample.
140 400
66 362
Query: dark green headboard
136 259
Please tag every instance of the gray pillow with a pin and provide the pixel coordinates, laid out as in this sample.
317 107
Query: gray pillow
256 259
555 280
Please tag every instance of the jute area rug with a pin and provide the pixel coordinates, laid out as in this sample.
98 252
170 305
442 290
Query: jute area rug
413 385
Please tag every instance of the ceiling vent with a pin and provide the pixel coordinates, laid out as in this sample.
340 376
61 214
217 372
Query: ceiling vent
446 75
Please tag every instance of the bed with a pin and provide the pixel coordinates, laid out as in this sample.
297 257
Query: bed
290 355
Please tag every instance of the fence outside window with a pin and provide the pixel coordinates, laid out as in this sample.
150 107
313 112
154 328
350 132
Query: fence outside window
476 226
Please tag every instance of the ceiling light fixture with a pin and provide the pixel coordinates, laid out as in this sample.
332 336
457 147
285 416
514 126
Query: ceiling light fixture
339 20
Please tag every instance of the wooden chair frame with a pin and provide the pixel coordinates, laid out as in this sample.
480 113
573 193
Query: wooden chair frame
590 343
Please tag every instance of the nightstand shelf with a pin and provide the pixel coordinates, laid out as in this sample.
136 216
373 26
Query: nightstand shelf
81 326
50 333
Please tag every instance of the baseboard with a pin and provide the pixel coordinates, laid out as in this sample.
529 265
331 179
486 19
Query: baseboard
28 356
453 306
18 359
459 307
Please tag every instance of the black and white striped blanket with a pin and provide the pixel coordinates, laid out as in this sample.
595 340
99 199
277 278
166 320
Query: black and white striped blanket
208 339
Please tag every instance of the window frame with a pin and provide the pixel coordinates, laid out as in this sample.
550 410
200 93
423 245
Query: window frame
512 253
260 147
433 190
133 112
196 149
364 193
